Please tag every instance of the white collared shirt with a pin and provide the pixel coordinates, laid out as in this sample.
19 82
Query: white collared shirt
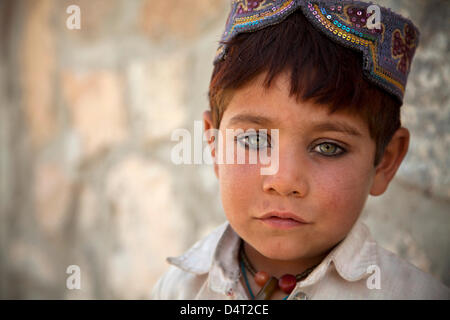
357 268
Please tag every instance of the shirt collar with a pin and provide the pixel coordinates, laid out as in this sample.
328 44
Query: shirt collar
217 254
199 258
351 257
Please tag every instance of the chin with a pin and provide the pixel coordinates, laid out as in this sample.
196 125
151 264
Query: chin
283 256
283 252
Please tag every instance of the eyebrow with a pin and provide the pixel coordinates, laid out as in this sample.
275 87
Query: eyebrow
318 126
250 118
336 126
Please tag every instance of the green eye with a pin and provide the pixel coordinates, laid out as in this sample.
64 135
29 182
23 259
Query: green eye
329 149
254 141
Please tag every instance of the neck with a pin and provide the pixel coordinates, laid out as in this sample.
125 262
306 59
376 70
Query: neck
278 268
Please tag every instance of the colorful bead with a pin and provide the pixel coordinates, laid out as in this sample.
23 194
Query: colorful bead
261 277
287 283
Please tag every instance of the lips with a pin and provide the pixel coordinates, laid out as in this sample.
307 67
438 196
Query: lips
282 220
283 215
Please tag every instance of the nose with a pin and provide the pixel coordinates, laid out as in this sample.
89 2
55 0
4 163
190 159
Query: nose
291 177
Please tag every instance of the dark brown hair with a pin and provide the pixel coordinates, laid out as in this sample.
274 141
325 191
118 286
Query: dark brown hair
320 70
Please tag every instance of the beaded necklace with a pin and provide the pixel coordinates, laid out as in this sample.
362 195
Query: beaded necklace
269 283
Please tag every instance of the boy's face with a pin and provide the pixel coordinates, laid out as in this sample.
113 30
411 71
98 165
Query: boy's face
324 173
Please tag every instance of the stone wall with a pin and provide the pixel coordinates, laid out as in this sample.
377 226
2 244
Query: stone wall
86 118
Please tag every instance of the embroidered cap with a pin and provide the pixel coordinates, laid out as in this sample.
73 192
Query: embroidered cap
387 40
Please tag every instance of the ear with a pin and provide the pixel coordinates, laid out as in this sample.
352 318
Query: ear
208 124
392 158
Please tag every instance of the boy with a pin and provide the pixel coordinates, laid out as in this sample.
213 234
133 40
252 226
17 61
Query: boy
329 78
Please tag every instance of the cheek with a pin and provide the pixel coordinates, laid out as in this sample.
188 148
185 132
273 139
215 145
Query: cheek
341 193
237 182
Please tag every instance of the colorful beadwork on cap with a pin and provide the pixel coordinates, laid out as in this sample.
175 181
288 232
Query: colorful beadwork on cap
388 51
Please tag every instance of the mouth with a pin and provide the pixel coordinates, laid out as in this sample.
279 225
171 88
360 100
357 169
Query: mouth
282 220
